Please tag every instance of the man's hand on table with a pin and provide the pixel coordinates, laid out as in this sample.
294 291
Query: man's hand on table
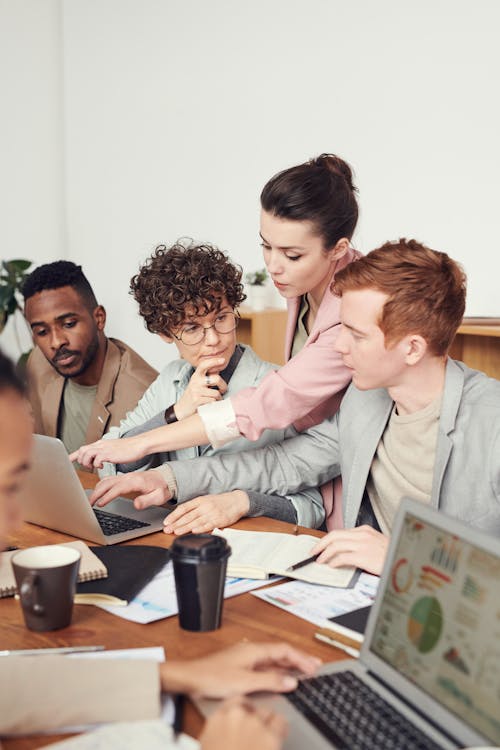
206 513
150 485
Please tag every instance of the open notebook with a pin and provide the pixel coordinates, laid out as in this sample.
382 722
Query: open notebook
260 554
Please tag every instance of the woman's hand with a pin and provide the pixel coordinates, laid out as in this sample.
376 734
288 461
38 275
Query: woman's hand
204 387
117 451
237 723
362 547
244 668
206 513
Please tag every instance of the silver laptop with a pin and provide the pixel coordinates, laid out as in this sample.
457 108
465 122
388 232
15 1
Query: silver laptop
431 651
52 496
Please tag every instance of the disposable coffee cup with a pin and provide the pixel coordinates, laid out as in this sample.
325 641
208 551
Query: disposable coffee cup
46 581
200 562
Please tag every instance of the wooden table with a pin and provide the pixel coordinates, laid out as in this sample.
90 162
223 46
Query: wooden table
245 618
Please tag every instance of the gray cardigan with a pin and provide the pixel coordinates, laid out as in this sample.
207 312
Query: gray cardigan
466 481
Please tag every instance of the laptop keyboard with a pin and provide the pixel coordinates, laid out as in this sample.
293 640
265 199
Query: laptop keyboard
354 717
110 523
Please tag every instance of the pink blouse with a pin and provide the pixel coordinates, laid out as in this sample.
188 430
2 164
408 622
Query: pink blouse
306 390
310 386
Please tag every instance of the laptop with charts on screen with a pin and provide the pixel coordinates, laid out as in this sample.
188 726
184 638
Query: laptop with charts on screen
428 675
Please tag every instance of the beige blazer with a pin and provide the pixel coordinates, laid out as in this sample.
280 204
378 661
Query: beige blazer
125 377
43 693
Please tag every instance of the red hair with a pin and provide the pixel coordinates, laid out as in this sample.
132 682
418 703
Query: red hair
426 291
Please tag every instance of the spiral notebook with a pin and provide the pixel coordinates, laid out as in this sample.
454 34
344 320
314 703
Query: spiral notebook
91 567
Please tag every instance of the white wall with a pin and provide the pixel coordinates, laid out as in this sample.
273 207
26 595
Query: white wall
177 112
32 221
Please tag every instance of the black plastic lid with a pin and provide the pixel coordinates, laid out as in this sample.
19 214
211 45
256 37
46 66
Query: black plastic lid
202 547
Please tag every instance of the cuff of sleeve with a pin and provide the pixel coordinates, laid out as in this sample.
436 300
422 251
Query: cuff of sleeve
168 475
273 506
219 421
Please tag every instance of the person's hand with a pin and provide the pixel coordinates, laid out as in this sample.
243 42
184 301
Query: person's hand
244 668
239 724
206 513
198 392
362 547
119 450
150 485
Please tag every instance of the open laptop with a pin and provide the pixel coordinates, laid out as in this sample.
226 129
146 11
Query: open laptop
52 496
431 653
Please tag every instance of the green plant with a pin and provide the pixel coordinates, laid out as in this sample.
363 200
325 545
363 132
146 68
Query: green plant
12 275
256 278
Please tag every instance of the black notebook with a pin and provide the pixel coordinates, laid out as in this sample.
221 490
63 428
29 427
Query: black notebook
129 567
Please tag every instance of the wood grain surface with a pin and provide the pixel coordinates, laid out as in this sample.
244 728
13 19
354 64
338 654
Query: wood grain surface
244 618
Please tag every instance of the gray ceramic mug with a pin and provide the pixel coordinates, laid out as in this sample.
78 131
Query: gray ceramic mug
46 581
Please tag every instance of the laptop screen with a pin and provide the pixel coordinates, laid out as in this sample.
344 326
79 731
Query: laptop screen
439 622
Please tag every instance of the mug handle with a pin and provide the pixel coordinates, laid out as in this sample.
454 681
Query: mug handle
29 594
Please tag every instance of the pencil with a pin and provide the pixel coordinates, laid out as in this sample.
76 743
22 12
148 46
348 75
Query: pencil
51 651
337 644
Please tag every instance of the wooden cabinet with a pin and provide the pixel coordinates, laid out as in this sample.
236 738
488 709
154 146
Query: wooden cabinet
264 331
477 343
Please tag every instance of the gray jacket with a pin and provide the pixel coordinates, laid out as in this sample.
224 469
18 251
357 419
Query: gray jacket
169 387
466 481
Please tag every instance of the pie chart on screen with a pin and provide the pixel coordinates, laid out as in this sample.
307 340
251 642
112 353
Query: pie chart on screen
425 623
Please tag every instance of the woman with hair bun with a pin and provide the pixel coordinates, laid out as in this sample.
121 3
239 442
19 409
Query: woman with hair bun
309 214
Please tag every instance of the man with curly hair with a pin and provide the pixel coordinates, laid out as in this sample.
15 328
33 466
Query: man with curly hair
189 294
80 381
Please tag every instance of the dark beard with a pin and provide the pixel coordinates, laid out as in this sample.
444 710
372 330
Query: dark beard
86 361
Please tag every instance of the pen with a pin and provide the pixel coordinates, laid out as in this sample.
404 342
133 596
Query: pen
332 642
301 564
50 651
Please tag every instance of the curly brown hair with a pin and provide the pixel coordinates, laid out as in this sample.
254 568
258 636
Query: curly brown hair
185 279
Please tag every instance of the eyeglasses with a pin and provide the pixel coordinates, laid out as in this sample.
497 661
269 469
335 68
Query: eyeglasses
193 333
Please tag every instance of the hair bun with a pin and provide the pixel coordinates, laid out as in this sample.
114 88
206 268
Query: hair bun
336 166
319 191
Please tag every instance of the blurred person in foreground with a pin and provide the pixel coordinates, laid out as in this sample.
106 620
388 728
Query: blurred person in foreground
43 694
